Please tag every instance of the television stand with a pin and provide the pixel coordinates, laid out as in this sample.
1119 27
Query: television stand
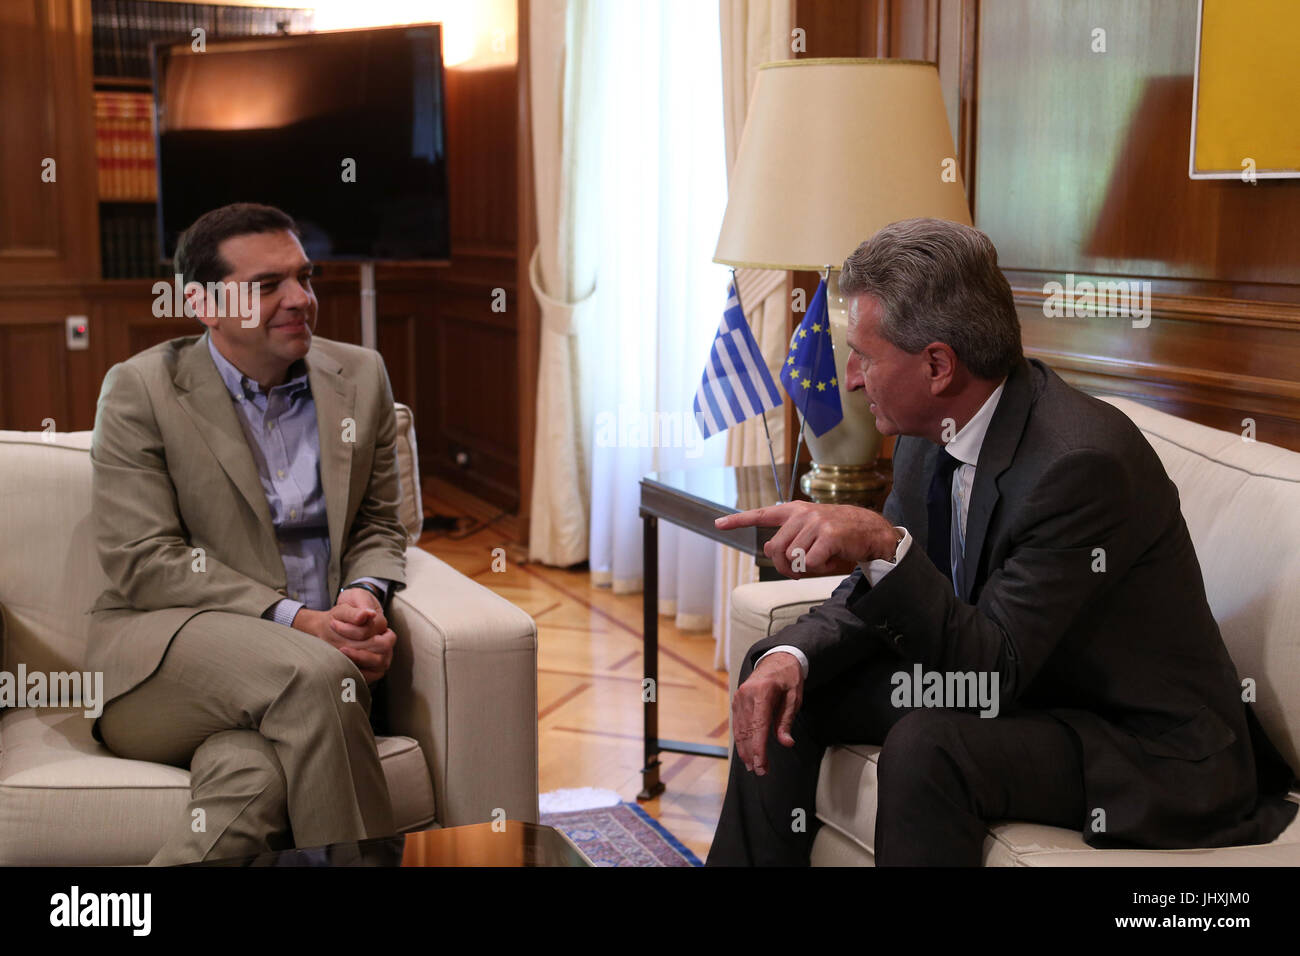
369 323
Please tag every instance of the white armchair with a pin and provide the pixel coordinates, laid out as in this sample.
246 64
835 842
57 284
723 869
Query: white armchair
462 690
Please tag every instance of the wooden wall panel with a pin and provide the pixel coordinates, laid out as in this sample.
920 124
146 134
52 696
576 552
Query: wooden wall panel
122 322
48 229
527 312
399 314
1080 167
338 302
481 152
475 393
40 392
841 27
145 334
32 341
1088 152
437 313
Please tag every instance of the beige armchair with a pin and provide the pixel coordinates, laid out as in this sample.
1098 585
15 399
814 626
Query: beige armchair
462 694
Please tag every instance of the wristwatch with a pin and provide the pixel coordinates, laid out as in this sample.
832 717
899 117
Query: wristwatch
379 595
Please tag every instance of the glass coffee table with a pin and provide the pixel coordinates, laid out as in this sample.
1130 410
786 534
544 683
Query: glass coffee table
509 843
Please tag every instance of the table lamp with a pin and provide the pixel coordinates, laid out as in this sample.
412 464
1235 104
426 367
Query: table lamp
832 151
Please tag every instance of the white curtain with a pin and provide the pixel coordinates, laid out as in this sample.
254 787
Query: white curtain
564 62
753 32
645 338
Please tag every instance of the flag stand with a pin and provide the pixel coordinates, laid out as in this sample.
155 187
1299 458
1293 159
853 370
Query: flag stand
780 496
798 448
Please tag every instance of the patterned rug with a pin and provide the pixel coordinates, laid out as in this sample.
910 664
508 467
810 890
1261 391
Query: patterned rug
621 835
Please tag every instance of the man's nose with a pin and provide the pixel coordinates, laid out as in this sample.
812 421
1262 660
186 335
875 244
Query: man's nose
295 296
853 378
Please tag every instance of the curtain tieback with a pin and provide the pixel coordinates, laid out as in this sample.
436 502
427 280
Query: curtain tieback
557 314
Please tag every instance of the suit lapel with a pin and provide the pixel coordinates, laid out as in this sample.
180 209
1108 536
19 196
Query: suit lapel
205 399
335 399
1000 443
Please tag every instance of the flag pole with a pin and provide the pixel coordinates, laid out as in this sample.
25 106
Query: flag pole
794 468
780 497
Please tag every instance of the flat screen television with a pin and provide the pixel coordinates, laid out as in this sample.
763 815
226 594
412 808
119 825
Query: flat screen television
345 131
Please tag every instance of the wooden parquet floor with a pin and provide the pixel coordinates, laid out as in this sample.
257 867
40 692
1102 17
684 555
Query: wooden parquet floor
589 684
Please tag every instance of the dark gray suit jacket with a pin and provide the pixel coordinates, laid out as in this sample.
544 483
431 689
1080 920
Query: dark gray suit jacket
1130 658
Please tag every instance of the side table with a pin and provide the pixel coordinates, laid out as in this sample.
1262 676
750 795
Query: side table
692 499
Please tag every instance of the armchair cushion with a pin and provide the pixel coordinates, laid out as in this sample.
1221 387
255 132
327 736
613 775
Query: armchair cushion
846 806
66 800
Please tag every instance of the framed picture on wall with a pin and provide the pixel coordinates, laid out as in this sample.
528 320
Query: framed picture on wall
1247 87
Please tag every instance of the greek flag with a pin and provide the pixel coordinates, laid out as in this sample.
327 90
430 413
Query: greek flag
737 384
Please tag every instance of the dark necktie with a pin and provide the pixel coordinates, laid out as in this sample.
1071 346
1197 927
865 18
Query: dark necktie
939 507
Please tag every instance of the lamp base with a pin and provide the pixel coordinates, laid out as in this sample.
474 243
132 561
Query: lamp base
841 484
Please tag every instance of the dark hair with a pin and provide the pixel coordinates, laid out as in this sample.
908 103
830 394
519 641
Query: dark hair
939 281
197 258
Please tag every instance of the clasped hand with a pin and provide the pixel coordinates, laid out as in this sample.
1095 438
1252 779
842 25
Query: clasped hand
357 627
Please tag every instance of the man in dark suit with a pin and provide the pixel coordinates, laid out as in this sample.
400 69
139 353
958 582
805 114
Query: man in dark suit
1033 545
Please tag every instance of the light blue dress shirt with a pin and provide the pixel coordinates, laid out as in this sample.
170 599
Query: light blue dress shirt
280 426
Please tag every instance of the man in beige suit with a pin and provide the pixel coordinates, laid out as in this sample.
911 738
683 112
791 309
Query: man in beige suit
245 505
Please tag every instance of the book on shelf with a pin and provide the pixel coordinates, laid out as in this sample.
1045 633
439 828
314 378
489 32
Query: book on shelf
122 30
124 146
129 242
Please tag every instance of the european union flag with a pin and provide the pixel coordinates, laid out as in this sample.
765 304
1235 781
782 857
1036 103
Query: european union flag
809 373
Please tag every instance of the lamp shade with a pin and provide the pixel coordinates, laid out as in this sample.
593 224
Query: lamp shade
832 151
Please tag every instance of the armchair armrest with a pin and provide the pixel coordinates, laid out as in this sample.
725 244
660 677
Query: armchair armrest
463 682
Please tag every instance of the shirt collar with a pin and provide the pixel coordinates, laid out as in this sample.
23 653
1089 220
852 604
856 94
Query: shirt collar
240 386
965 445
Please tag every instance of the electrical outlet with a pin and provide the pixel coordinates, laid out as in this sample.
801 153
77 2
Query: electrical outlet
78 330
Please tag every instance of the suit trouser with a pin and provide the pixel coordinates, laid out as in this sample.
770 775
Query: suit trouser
941 774
274 726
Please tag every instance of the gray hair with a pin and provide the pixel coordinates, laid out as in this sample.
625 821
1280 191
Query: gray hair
939 281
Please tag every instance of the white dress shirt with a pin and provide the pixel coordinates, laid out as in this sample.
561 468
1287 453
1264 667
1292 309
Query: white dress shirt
965 447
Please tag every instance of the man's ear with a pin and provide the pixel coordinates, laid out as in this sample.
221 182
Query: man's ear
941 366
196 304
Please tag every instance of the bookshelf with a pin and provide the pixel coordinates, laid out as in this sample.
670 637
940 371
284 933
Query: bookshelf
125 135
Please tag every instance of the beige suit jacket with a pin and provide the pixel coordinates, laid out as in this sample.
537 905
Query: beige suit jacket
173 473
